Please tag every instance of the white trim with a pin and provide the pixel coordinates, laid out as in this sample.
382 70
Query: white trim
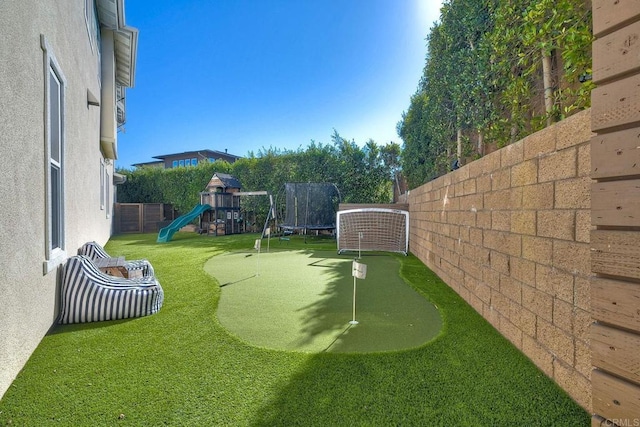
93 31
58 256
107 187
87 17
53 256
108 120
102 184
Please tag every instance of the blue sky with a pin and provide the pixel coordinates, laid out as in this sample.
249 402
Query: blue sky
243 75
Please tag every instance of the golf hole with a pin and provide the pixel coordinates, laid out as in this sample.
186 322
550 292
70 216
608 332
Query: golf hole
303 301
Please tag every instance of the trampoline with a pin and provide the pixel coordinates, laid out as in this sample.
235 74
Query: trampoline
309 206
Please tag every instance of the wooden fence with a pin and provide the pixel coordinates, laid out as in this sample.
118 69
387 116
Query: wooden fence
142 217
615 217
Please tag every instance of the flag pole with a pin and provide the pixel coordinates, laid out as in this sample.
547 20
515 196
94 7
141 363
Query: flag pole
268 237
256 246
354 321
358 271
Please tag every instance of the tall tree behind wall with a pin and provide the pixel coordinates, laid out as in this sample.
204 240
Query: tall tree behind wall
495 72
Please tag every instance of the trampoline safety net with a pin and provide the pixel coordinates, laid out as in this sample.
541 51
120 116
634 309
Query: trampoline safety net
310 206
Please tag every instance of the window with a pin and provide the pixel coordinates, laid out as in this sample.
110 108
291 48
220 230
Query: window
194 162
107 192
102 190
54 140
174 164
105 186
93 30
55 158
181 163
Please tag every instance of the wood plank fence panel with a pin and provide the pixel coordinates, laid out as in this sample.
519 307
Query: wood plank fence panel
611 14
616 302
614 398
617 54
615 245
616 203
616 253
130 220
153 213
616 154
615 351
616 104
142 217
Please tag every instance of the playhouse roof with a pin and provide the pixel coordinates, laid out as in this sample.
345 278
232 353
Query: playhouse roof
223 180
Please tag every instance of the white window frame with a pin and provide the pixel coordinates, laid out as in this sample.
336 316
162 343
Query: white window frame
102 184
91 20
93 32
55 254
107 192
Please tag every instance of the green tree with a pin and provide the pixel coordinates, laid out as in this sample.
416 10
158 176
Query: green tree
362 174
390 157
179 187
495 71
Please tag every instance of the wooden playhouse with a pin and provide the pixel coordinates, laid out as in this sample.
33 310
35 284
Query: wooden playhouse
224 215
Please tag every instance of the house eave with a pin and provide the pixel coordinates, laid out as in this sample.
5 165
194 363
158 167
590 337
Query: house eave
111 16
109 148
119 179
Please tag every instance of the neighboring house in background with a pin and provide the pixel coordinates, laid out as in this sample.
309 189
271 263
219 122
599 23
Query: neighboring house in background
188 158
64 69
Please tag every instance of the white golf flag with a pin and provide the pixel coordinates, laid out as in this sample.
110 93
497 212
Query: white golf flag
256 246
359 270
267 232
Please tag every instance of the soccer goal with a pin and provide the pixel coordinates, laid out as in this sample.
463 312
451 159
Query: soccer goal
373 229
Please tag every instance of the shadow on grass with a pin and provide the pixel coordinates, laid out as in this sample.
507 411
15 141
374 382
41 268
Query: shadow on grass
180 367
64 329
470 375
408 389
238 281
391 315
338 338
303 301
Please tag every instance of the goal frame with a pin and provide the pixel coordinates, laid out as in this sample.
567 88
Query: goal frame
375 231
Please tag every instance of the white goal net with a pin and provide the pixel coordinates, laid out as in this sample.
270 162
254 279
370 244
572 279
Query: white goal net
373 229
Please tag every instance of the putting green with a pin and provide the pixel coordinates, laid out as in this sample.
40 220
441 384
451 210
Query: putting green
303 301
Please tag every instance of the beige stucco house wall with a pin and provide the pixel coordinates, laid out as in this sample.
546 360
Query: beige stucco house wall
35 37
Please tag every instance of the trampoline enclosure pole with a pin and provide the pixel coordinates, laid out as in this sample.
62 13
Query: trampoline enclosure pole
306 213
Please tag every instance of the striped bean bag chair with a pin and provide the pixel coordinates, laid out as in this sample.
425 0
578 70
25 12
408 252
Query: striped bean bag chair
94 251
89 295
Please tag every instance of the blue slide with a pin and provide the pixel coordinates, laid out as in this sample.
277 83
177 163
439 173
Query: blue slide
166 233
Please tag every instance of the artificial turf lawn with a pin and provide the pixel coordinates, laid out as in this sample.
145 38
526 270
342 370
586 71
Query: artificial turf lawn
303 301
181 367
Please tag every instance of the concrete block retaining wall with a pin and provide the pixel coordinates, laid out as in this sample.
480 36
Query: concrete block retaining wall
510 233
